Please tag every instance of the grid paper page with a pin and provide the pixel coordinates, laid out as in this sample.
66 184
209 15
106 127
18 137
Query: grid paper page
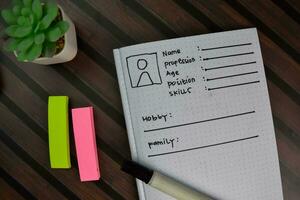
197 109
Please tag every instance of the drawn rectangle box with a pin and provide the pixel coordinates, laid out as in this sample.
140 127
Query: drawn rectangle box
143 70
58 128
85 142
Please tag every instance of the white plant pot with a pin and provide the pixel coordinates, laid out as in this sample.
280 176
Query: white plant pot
70 46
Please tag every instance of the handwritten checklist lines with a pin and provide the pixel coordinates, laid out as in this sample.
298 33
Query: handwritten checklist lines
229 76
205 146
231 55
234 85
201 121
226 66
220 78
228 46
198 122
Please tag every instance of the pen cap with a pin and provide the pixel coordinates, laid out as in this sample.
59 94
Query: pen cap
138 171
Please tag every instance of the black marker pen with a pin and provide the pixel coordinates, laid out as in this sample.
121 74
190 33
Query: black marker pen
163 182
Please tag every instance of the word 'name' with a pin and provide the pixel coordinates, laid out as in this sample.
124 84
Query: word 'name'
170 53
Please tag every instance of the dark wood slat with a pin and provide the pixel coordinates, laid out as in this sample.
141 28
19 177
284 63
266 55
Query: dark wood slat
11 189
92 31
116 31
182 24
107 91
108 87
290 185
27 176
290 50
295 4
288 9
284 86
288 152
276 20
133 22
108 66
289 113
286 131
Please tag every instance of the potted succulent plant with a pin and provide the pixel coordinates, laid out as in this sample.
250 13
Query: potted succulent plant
39 32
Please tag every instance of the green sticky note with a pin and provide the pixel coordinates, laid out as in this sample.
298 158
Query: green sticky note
58 128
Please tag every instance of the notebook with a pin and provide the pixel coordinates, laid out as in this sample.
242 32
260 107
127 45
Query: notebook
197 109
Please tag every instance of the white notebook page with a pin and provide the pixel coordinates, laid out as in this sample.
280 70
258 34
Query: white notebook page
197 109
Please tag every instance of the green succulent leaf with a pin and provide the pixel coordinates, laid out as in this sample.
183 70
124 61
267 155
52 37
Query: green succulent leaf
51 11
37 9
49 49
17 2
18 31
37 27
45 23
34 52
39 38
63 26
53 34
27 3
25 11
9 16
17 10
24 44
21 56
32 19
23 21
11 45
56 31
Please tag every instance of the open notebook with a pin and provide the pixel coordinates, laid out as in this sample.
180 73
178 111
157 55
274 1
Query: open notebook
197 109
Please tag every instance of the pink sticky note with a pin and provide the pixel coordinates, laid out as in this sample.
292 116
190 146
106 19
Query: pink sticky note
85 142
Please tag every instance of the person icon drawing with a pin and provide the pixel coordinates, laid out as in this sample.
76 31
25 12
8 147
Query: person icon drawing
145 78
143 70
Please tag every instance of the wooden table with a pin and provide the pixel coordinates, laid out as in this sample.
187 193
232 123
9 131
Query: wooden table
90 79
